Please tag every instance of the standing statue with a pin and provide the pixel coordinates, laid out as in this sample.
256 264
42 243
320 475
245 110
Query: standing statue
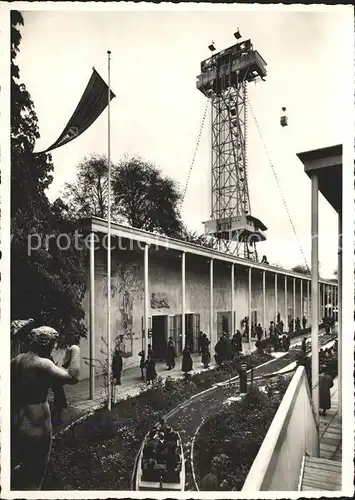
32 374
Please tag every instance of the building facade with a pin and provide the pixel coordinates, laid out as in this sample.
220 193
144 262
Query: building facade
158 281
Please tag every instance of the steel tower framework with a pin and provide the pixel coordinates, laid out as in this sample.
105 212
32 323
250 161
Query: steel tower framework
223 79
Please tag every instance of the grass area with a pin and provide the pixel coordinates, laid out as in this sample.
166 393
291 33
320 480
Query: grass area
98 453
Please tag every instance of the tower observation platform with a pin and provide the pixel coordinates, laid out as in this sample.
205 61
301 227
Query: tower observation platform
223 80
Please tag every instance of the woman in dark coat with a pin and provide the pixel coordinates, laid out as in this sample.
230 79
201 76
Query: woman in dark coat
170 353
151 373
325 384
117 364
238 341
206 355
142 363
186 361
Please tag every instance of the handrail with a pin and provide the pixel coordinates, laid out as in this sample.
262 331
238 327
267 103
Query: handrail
259 469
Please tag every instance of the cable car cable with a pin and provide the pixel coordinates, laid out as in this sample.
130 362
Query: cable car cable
278 184
195 152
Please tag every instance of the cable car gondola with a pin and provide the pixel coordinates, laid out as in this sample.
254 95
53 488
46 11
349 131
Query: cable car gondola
283 119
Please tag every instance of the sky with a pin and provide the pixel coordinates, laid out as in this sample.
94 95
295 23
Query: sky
157 113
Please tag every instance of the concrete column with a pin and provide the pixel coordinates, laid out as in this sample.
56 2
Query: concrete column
286 310
340 311
249 308
324 301
183 297
146 300
315 297
264 306
332 301
92 318
232 301
301 307
275 314
337 301
211 306
294 304
308 306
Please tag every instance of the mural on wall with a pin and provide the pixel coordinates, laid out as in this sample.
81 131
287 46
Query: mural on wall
158 302
125 285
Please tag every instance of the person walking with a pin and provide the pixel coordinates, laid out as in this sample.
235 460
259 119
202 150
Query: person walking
206 355
271 328
238 341
259 332
116 367
200 341
186 361
142 363
220 351
170 353
325 384
151 373
304 322
278 317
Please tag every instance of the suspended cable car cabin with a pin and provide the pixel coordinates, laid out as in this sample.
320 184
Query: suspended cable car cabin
283 119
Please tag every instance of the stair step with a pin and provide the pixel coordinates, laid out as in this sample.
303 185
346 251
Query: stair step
322 478
323 468
321 460
321 486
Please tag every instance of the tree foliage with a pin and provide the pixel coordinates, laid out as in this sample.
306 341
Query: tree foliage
146 198
47 283
141 195
87 196
196 238
301 268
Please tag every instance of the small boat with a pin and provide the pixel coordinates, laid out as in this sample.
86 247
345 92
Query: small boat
158 476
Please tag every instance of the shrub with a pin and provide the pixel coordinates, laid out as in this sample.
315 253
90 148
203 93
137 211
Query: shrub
229 441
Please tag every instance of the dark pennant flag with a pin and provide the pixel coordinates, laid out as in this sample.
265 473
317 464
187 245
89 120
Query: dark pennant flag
94 100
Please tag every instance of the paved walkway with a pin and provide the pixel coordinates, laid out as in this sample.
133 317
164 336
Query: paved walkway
330 426
325 472
77 395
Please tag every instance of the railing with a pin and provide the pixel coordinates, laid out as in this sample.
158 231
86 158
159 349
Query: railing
293 433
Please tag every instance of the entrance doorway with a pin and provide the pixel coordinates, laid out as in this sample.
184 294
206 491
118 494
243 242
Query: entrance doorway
192 327
159 336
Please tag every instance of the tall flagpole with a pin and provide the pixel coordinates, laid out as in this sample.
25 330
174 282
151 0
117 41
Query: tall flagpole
109 237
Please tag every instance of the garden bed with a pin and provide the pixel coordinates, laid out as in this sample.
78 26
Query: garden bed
99 452
228 442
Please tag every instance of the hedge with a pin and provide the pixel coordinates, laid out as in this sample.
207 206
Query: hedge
229 441
99 452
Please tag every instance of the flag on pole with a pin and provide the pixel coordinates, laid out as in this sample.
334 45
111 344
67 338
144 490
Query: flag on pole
92 103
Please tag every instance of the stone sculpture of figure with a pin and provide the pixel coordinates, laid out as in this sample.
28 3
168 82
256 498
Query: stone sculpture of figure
32 374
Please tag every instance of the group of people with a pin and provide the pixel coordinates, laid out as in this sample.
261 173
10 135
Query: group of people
161 452
33 373
227 348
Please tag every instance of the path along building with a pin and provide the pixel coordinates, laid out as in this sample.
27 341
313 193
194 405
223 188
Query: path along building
163 287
